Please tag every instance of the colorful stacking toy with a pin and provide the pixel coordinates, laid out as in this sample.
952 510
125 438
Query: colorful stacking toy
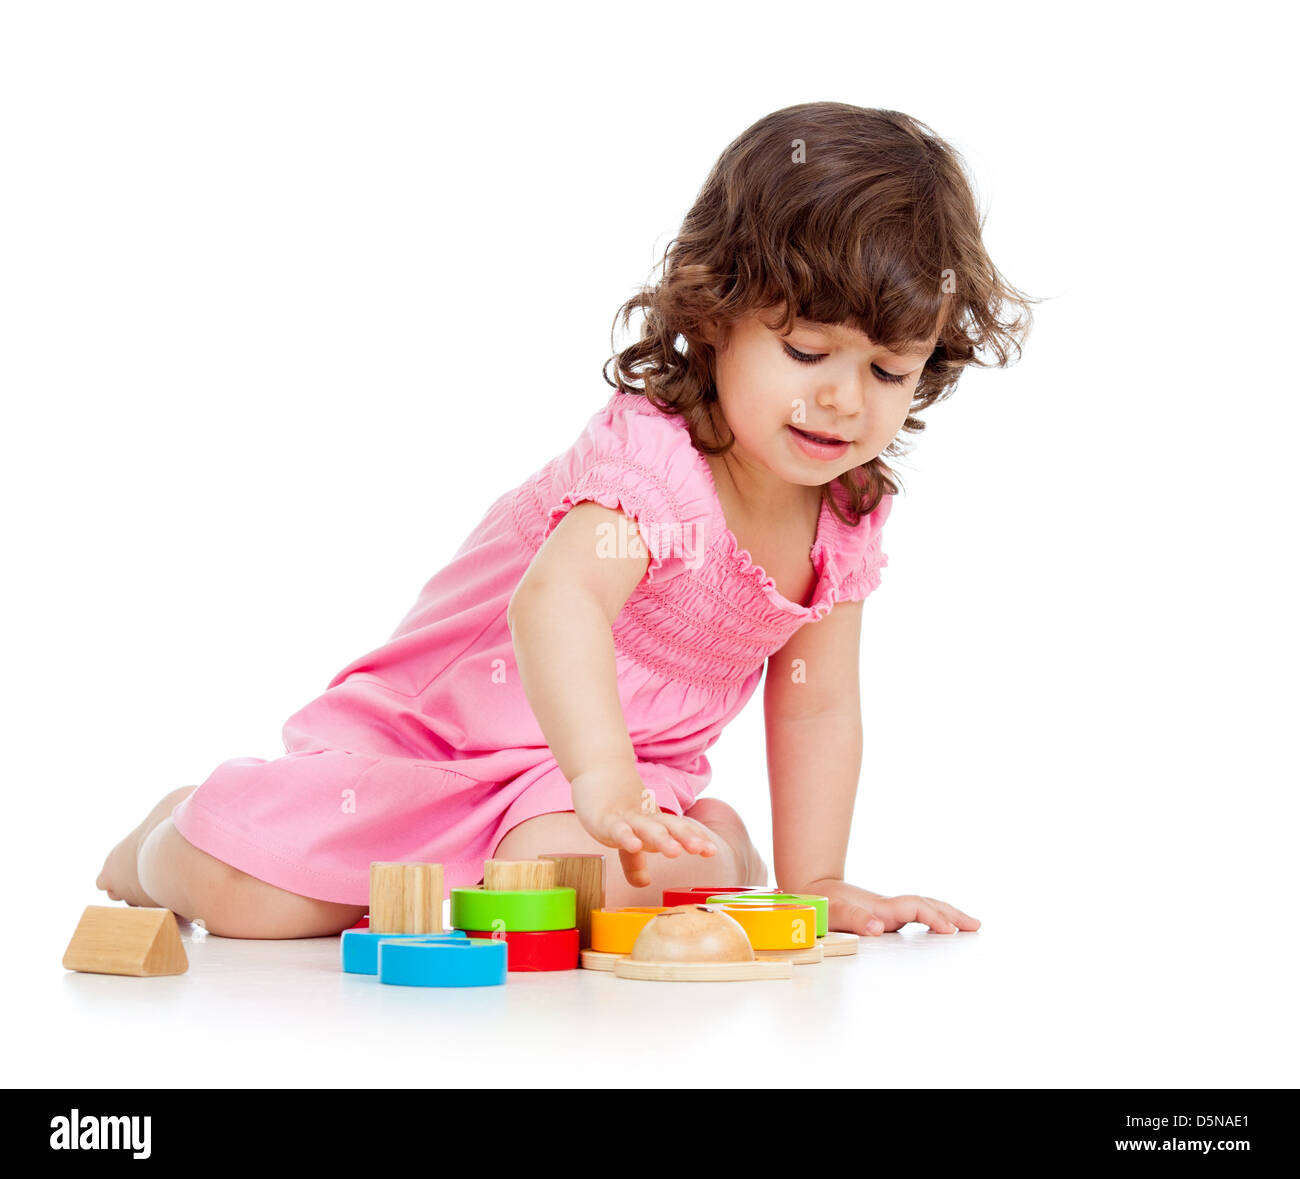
542 949
613 931
775 927
696 943
765 899
700 896
549 914
405 906
442 962
513 909
360 947
523 905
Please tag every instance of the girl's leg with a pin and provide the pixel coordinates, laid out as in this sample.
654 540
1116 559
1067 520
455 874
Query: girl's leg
156 866
119 876
736 862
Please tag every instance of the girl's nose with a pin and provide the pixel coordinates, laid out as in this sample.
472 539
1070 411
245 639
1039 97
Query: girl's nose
845 396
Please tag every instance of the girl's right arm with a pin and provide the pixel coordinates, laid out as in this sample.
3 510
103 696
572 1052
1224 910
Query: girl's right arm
561 617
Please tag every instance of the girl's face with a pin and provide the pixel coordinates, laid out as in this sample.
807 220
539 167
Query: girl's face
824 380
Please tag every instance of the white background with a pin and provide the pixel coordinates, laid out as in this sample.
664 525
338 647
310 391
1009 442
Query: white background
290 293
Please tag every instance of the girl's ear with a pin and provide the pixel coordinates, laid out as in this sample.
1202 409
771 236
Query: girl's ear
712 334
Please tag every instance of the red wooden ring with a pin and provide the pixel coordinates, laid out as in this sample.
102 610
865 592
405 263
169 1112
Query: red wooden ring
697 896
541 949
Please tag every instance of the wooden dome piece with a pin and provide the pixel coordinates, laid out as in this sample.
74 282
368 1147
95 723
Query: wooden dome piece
696 943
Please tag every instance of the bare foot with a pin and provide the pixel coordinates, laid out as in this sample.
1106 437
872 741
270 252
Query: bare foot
119 877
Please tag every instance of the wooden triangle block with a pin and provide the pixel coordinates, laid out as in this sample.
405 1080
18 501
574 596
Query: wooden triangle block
129 940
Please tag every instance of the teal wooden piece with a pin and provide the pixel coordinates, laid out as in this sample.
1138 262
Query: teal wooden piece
359 951
469 962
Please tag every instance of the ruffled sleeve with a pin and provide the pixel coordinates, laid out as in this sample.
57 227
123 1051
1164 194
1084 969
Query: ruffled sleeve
854 555
638 460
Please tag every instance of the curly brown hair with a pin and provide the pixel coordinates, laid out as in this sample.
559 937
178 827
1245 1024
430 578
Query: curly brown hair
836 214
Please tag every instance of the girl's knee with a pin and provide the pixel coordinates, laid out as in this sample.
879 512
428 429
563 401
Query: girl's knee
725 821
168 872
230 903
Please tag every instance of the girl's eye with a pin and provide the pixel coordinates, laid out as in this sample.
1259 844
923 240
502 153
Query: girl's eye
809 358
801 357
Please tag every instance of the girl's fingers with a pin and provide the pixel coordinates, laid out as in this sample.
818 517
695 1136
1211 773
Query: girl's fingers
634 868
927 913
656 836
889 914
856 919
955 915
668 834
693 836
621 836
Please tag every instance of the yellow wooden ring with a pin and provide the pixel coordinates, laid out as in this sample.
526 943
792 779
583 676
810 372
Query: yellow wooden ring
775 927
757 896
614 930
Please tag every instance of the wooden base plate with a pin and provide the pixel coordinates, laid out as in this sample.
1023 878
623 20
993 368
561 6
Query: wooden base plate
836 944
598 960
799 957
625 967
833 945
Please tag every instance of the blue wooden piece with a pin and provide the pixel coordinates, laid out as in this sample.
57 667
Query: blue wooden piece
360 947
471 962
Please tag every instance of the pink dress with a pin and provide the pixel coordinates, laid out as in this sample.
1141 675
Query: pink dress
427 749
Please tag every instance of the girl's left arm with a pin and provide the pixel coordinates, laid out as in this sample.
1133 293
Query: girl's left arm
813 716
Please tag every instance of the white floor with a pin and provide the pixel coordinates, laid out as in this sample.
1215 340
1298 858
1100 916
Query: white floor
1028 1005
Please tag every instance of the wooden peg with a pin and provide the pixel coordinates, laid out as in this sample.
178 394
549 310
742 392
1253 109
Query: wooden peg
513 875
405 898
585 874
137 941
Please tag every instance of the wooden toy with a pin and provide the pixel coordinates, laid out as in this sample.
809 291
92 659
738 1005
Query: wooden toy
142 942
406 898
359 948
820 903
805 956
696 943
614 931
701 896
838 944
505 875
585 874
442 962
513 909
542 949
775 927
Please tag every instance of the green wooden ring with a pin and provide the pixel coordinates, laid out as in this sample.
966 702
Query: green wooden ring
821 904
511 909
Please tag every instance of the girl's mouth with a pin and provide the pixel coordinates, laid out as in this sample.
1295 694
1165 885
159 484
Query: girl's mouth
818 446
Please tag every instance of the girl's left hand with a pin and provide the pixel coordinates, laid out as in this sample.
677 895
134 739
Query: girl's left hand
855 910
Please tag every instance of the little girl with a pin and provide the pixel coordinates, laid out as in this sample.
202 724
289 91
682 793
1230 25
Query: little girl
556 686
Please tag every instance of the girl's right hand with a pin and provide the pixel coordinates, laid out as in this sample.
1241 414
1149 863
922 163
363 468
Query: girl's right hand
615 807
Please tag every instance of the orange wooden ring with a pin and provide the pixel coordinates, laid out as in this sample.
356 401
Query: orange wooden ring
775 927
614 930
